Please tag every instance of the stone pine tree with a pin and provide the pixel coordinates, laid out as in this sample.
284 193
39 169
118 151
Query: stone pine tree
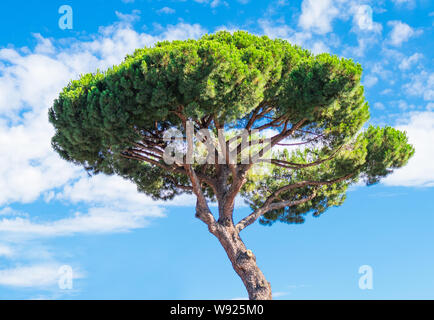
310 107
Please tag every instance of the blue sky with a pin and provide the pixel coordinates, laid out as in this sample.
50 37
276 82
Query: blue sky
122 245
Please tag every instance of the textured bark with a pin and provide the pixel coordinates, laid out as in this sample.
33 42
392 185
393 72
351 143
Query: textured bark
243 262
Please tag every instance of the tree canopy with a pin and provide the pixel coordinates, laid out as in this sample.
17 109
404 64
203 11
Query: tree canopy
313 106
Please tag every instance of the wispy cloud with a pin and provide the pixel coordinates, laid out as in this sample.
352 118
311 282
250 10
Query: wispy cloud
166 10
401 32
317 15
420 169
34 276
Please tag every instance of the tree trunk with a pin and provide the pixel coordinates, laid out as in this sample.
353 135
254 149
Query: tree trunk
243 262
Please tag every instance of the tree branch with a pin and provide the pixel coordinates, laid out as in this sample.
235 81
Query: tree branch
294 165
202 210
269 205
181 170
274 206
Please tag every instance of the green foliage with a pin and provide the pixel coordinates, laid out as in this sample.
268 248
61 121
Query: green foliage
387 149
371 156
227 76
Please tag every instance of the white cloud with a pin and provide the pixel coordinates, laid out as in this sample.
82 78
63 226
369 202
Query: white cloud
280 294
363 43
362 19
128 17
273 30
30 80
166 10
420 169
213 3
386 91
28 166
401 32
283 31
380 71
319 47
370 81
317 15
96 220
421 85
379 106
182 31
115 191
407 63
32 265
5 251
403 105
368 32
407 3
43 275
216 3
